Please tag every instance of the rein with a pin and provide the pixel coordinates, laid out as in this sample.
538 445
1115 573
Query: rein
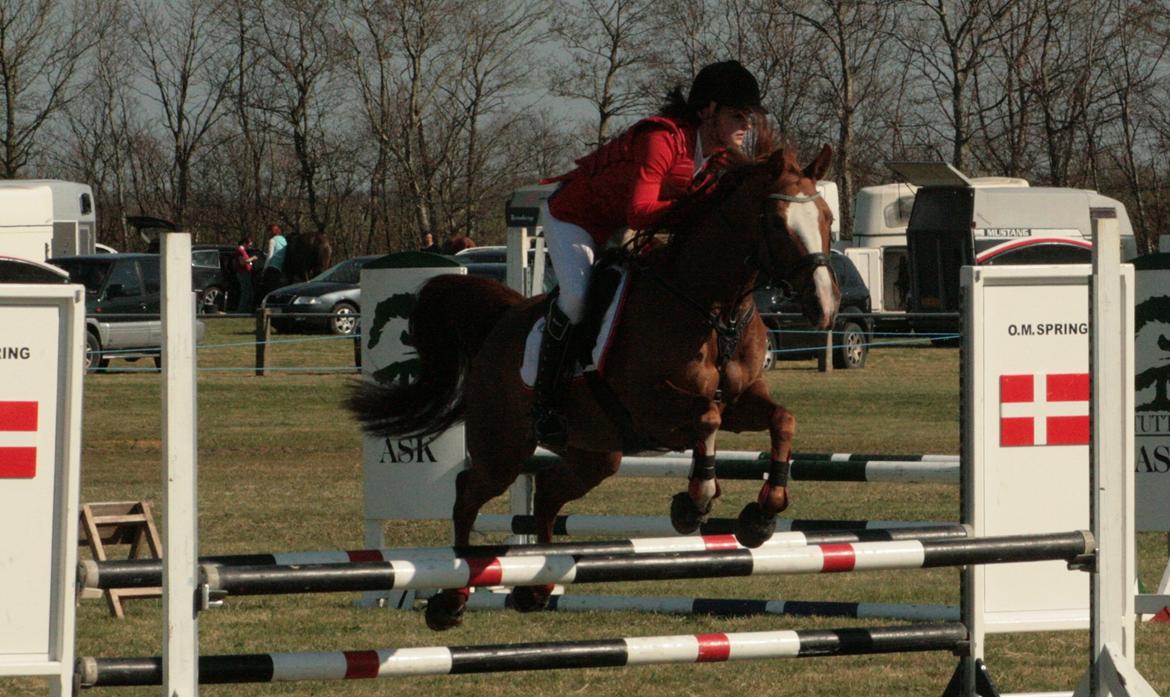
729 330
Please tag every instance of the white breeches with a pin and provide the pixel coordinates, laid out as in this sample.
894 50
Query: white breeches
572 251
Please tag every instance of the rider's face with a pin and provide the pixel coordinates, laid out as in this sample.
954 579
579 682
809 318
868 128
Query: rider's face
726 126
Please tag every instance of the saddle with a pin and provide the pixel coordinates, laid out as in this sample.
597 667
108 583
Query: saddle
607 290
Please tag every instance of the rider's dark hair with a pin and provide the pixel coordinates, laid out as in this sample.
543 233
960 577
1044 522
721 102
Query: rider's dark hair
676 107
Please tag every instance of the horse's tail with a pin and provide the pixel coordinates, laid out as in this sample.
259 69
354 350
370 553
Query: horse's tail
451 318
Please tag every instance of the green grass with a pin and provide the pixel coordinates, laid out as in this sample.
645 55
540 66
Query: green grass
280 469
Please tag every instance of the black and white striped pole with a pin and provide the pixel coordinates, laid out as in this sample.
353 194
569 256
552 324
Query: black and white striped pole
604 653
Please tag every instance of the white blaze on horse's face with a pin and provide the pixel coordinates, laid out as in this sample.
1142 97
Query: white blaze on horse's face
804 219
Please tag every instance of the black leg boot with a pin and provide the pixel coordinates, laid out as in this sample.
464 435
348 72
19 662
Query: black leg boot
547 422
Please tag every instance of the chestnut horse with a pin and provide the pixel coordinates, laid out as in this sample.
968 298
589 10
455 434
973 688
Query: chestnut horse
685 361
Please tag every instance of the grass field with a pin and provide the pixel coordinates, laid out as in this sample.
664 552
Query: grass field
280 469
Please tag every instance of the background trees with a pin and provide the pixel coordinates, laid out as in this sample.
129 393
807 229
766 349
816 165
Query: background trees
379 120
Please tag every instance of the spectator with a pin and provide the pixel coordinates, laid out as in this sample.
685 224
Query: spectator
244 260
273 277
429 244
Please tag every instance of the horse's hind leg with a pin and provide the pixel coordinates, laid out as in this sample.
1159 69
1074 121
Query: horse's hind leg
578 473
755 411
488 477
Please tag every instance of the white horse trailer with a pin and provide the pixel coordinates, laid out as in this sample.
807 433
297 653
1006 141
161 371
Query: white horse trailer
955 224
44 218
878 245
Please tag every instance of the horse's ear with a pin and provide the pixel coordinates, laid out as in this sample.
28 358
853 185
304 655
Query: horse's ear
817 168
777 162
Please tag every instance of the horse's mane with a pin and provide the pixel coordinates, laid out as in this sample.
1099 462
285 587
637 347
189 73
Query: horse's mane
736 165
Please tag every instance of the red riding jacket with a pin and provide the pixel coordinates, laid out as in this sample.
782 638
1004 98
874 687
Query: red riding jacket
630 181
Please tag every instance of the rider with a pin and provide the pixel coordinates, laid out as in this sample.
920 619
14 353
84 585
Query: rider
631 182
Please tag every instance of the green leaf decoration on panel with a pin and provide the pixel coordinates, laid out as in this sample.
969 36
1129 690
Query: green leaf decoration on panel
1155 310
397 306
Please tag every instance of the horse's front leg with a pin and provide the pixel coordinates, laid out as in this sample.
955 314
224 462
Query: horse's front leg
755 411
578 473
689 509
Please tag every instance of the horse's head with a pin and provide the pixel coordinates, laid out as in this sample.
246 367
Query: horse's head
795 237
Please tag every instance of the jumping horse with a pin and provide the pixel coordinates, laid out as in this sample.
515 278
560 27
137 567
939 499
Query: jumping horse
685 361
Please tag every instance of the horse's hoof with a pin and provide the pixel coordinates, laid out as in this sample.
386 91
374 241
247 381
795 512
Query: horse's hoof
531 598
754 526
445 611
685 516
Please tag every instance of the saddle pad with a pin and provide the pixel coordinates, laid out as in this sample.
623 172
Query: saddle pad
609 322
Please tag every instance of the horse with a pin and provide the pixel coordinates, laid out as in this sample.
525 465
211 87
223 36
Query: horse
685 361
306 256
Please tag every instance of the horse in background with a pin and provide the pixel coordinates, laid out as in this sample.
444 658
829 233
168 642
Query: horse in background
685 361
306 256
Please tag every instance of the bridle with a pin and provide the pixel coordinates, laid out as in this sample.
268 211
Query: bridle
769 260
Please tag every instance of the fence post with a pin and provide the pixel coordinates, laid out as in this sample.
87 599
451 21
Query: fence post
263 333
825 358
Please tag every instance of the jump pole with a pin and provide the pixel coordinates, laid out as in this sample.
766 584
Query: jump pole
603 653
727 607
656 526
147 573
814 467
1075 547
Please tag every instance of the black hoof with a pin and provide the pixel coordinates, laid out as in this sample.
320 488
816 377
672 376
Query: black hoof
445 612
531 598
685 516
754 527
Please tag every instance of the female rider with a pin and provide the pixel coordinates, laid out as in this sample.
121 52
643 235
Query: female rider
631 182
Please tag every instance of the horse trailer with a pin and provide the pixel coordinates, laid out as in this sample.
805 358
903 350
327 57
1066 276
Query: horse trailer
44 218
878 243
954 223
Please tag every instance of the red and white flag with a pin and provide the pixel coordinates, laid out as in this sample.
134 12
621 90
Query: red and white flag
18 433
1044 409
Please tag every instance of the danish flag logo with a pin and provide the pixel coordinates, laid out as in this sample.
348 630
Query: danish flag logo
18 451
1050 409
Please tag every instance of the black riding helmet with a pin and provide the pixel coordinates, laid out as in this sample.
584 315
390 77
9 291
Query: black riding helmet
726 83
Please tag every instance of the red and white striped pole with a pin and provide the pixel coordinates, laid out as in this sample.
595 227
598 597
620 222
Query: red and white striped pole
568 569
604 653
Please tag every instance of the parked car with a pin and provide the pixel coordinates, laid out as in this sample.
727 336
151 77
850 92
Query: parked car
794 339
213 268
335 295
122 306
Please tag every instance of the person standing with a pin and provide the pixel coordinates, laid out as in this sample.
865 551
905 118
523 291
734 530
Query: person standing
273 276
632 181
244 261
429 244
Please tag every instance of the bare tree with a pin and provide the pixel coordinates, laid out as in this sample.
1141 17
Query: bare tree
1138 47
949 46
181 52
99 127
401 57
42 44
852 74
490 75
609 55
297 52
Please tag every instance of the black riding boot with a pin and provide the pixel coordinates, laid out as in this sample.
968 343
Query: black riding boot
547 421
